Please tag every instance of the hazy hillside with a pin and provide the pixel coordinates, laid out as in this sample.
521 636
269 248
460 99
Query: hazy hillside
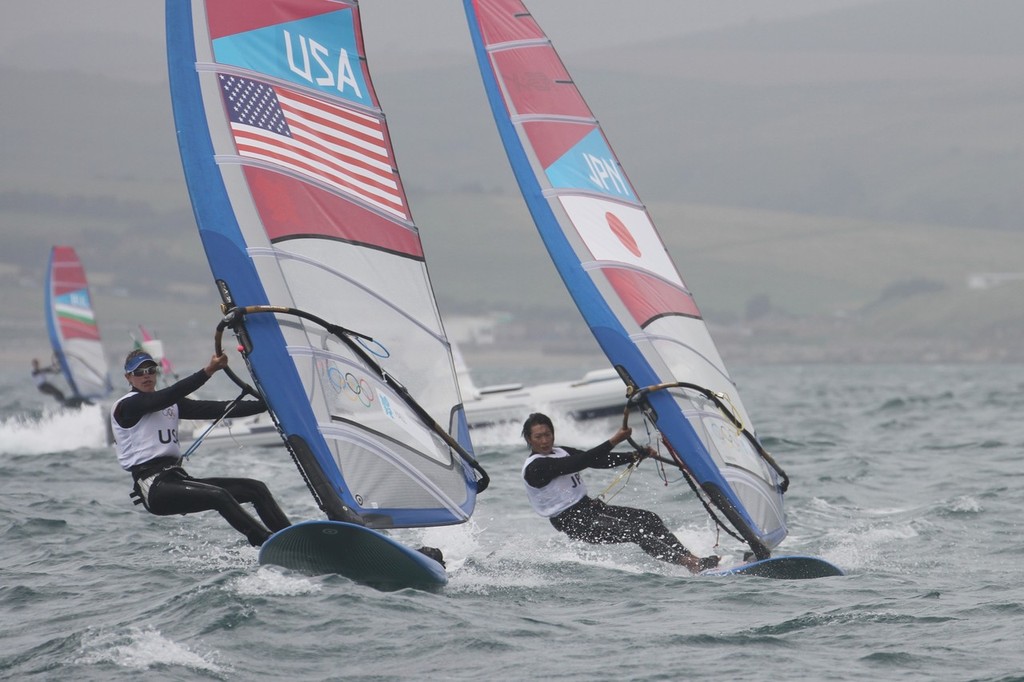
897 111
827 180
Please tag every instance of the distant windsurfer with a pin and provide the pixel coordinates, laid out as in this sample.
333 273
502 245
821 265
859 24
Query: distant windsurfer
39 377
145 425
556 490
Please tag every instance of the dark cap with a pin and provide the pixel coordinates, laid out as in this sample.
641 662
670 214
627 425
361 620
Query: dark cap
136 359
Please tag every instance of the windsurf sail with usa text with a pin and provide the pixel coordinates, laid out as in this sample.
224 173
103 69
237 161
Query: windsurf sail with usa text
613 262
314 252
71 323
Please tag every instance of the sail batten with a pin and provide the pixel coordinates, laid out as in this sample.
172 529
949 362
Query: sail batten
614 264
554 118
306 226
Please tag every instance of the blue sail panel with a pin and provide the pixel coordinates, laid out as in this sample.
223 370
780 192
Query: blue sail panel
309 61
590 165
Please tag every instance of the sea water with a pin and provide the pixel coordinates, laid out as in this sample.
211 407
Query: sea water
907 477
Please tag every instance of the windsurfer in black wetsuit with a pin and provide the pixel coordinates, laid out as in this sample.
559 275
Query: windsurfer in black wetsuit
145 425
556 490
39 377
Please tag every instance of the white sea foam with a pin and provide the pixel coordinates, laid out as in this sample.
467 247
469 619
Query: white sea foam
268 581
55 430
141 649
457 543
201 546
875 546
965 503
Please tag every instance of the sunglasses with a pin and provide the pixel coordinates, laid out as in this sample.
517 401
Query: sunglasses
145 371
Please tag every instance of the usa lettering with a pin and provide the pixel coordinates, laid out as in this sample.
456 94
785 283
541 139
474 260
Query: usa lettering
168 436
605 174
316 64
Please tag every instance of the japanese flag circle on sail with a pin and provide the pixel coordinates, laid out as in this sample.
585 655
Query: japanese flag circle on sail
619 233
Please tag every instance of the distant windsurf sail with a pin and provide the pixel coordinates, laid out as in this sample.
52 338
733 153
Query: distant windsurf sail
613 262
71 323
155 347
308 234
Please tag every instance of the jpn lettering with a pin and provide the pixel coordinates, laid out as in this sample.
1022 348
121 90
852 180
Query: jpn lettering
605 174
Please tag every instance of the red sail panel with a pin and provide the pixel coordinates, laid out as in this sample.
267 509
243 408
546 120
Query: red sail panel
73 328
552 139
68 273
228 17
507 20
648 298
291 208
70 293
537 83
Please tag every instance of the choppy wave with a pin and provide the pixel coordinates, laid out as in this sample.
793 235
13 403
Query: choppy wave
52 430
141 650
905 477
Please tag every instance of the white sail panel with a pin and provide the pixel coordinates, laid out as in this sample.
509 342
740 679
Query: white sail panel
620 233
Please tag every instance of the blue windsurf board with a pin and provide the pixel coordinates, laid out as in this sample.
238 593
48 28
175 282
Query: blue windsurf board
782 568
361 554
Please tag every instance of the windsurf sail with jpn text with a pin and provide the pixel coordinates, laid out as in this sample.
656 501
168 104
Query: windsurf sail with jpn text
614 264
71 323
308 233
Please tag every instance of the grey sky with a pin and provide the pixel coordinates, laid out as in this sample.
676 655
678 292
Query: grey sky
666 17
394 28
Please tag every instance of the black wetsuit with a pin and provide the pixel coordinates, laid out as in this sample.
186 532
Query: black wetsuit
45 386
594 521
173 491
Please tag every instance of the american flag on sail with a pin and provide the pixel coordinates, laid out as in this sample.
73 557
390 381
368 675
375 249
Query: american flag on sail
338 147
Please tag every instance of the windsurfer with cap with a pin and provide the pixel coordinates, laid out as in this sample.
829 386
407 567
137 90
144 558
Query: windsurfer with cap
556 490
145 426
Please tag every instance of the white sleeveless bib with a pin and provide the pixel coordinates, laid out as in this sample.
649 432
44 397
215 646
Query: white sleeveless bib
558 495
156 435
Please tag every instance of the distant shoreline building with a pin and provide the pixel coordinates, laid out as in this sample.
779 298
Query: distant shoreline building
990 280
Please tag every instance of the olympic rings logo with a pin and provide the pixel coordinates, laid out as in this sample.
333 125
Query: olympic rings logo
357 388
